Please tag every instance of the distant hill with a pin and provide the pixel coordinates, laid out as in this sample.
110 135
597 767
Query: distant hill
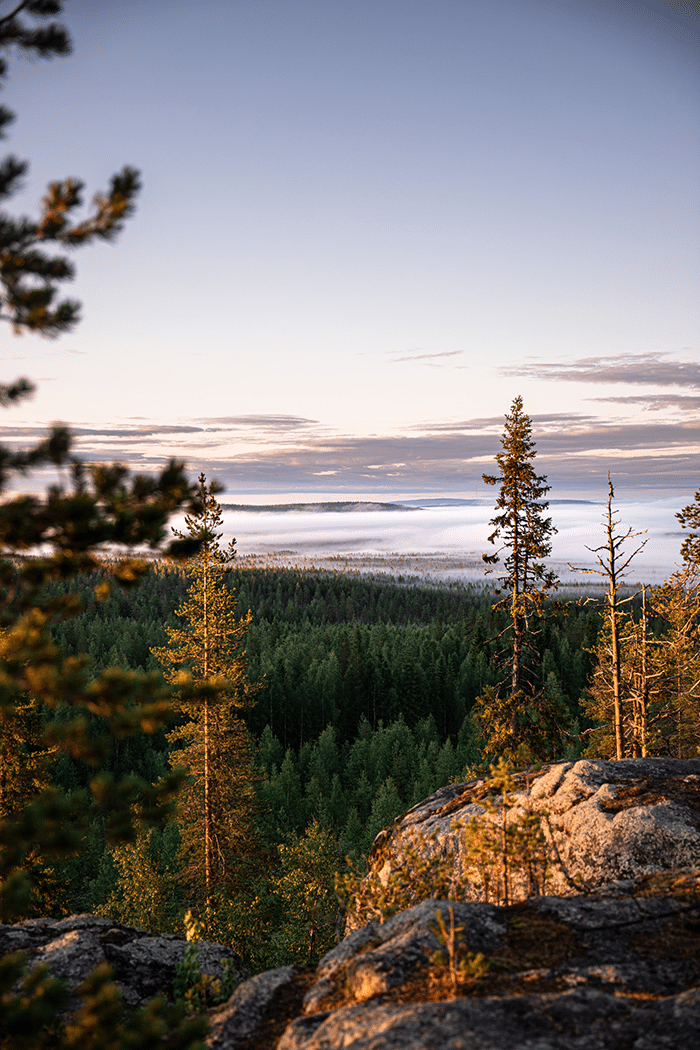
346 506
443 501
333 507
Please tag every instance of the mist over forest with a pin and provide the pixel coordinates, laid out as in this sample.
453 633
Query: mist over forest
440 541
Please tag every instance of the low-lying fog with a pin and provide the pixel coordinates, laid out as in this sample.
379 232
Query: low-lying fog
445 541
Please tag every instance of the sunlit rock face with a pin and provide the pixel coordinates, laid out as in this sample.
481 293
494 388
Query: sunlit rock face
607 958
603 821
610 969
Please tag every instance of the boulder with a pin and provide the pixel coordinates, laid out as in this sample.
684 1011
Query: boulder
260 1009
619 967
143 964
602 821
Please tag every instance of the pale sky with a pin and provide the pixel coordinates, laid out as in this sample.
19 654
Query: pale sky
365 227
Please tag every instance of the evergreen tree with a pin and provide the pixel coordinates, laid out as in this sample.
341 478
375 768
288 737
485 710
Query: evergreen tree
56 537
675 664
23 755
216 804
305 888
525 534
145 892
689 517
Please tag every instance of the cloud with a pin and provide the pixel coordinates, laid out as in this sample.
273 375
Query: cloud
137 433
652 369
428 357
574 451
654 402
265 422
491 424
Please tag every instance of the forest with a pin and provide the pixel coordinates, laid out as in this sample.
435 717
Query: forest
362 709
359 698
224 743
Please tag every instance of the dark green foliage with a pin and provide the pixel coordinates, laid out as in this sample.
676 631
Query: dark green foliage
412 652
357 720
504 714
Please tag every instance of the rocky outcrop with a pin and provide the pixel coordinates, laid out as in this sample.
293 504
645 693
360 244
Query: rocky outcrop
143 964
603 821
608 960
617 968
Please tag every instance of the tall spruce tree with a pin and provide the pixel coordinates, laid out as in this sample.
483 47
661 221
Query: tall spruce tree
216 805
525 534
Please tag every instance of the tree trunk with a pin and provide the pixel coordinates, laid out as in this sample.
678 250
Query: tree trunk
614 637
207 772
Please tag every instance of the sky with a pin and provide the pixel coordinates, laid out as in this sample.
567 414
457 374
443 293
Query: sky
365 227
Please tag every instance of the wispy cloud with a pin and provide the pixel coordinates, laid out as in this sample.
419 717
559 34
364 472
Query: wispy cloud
491 424
654 402
264 422
652 369
428 357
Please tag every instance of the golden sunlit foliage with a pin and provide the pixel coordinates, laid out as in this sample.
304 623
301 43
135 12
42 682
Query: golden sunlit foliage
216 804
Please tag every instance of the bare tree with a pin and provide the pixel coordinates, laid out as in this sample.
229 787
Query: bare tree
613 565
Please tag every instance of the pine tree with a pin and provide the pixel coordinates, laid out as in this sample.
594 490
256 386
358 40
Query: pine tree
216 805
525 534
633 685
54 538
675 664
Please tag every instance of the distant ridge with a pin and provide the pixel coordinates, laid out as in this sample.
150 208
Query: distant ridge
442 501
334 507
449 501
346 506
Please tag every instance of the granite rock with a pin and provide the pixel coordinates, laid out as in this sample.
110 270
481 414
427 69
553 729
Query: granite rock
619 967
143 964
604 821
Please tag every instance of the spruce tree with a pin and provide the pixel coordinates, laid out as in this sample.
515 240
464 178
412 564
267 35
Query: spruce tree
525 536
217 802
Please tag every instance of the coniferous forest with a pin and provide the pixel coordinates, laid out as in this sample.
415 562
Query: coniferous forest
308 709
362 707
357 697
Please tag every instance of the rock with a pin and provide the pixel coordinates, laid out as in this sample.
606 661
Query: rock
603 820
382 957
577 1020
616 968
259 1009
143 964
